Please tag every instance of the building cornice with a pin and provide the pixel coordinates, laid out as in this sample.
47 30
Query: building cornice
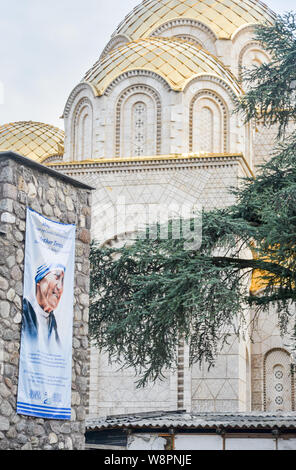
162 162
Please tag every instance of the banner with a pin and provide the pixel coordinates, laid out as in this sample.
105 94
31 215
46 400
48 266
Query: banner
45 372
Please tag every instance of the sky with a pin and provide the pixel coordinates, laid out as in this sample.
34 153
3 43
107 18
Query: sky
46 47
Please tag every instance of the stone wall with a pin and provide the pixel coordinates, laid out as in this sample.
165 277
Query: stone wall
24 183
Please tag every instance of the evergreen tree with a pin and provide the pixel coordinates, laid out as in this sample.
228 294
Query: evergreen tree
148 295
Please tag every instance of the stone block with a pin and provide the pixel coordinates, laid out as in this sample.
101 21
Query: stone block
6 205
16 274
9 191
11 261
69 204
6 175
84 236
4 423
31 191
3 283
7 218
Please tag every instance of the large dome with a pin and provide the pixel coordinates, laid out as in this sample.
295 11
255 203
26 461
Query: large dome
223 17
176 61
34 140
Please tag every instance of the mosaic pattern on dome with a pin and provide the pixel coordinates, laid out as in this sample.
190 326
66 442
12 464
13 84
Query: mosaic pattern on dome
223 17
34 140
176 61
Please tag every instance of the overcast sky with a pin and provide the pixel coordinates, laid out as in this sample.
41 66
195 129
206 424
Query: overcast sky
46 46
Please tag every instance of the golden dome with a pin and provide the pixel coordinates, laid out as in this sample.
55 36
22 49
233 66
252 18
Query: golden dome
176 61
223 17
34 140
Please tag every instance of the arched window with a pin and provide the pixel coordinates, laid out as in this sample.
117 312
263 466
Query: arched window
251 55
208 124
83 132
138 122
278 381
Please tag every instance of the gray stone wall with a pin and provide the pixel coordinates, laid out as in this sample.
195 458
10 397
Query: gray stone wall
24 185
159 183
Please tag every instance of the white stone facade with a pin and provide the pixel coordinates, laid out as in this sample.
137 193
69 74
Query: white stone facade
141 143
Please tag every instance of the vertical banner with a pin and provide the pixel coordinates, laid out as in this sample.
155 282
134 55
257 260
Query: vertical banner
45 371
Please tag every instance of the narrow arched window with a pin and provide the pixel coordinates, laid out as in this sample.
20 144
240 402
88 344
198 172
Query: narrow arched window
83 132
208 124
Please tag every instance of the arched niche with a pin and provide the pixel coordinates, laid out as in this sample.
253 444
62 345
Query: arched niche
188 29
208 123
278 378
138 122
82 131
250 56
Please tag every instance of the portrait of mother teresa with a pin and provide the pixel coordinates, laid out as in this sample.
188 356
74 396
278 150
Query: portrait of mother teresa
39 320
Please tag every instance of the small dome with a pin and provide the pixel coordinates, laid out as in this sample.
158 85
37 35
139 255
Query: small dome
223 17
34 140
176 61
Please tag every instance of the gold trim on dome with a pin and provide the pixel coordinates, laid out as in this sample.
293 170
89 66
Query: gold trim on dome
34 140
175 60
223 17
175 156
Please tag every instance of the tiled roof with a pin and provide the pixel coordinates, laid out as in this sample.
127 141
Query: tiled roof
196 421
176 61
34 140
223 17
